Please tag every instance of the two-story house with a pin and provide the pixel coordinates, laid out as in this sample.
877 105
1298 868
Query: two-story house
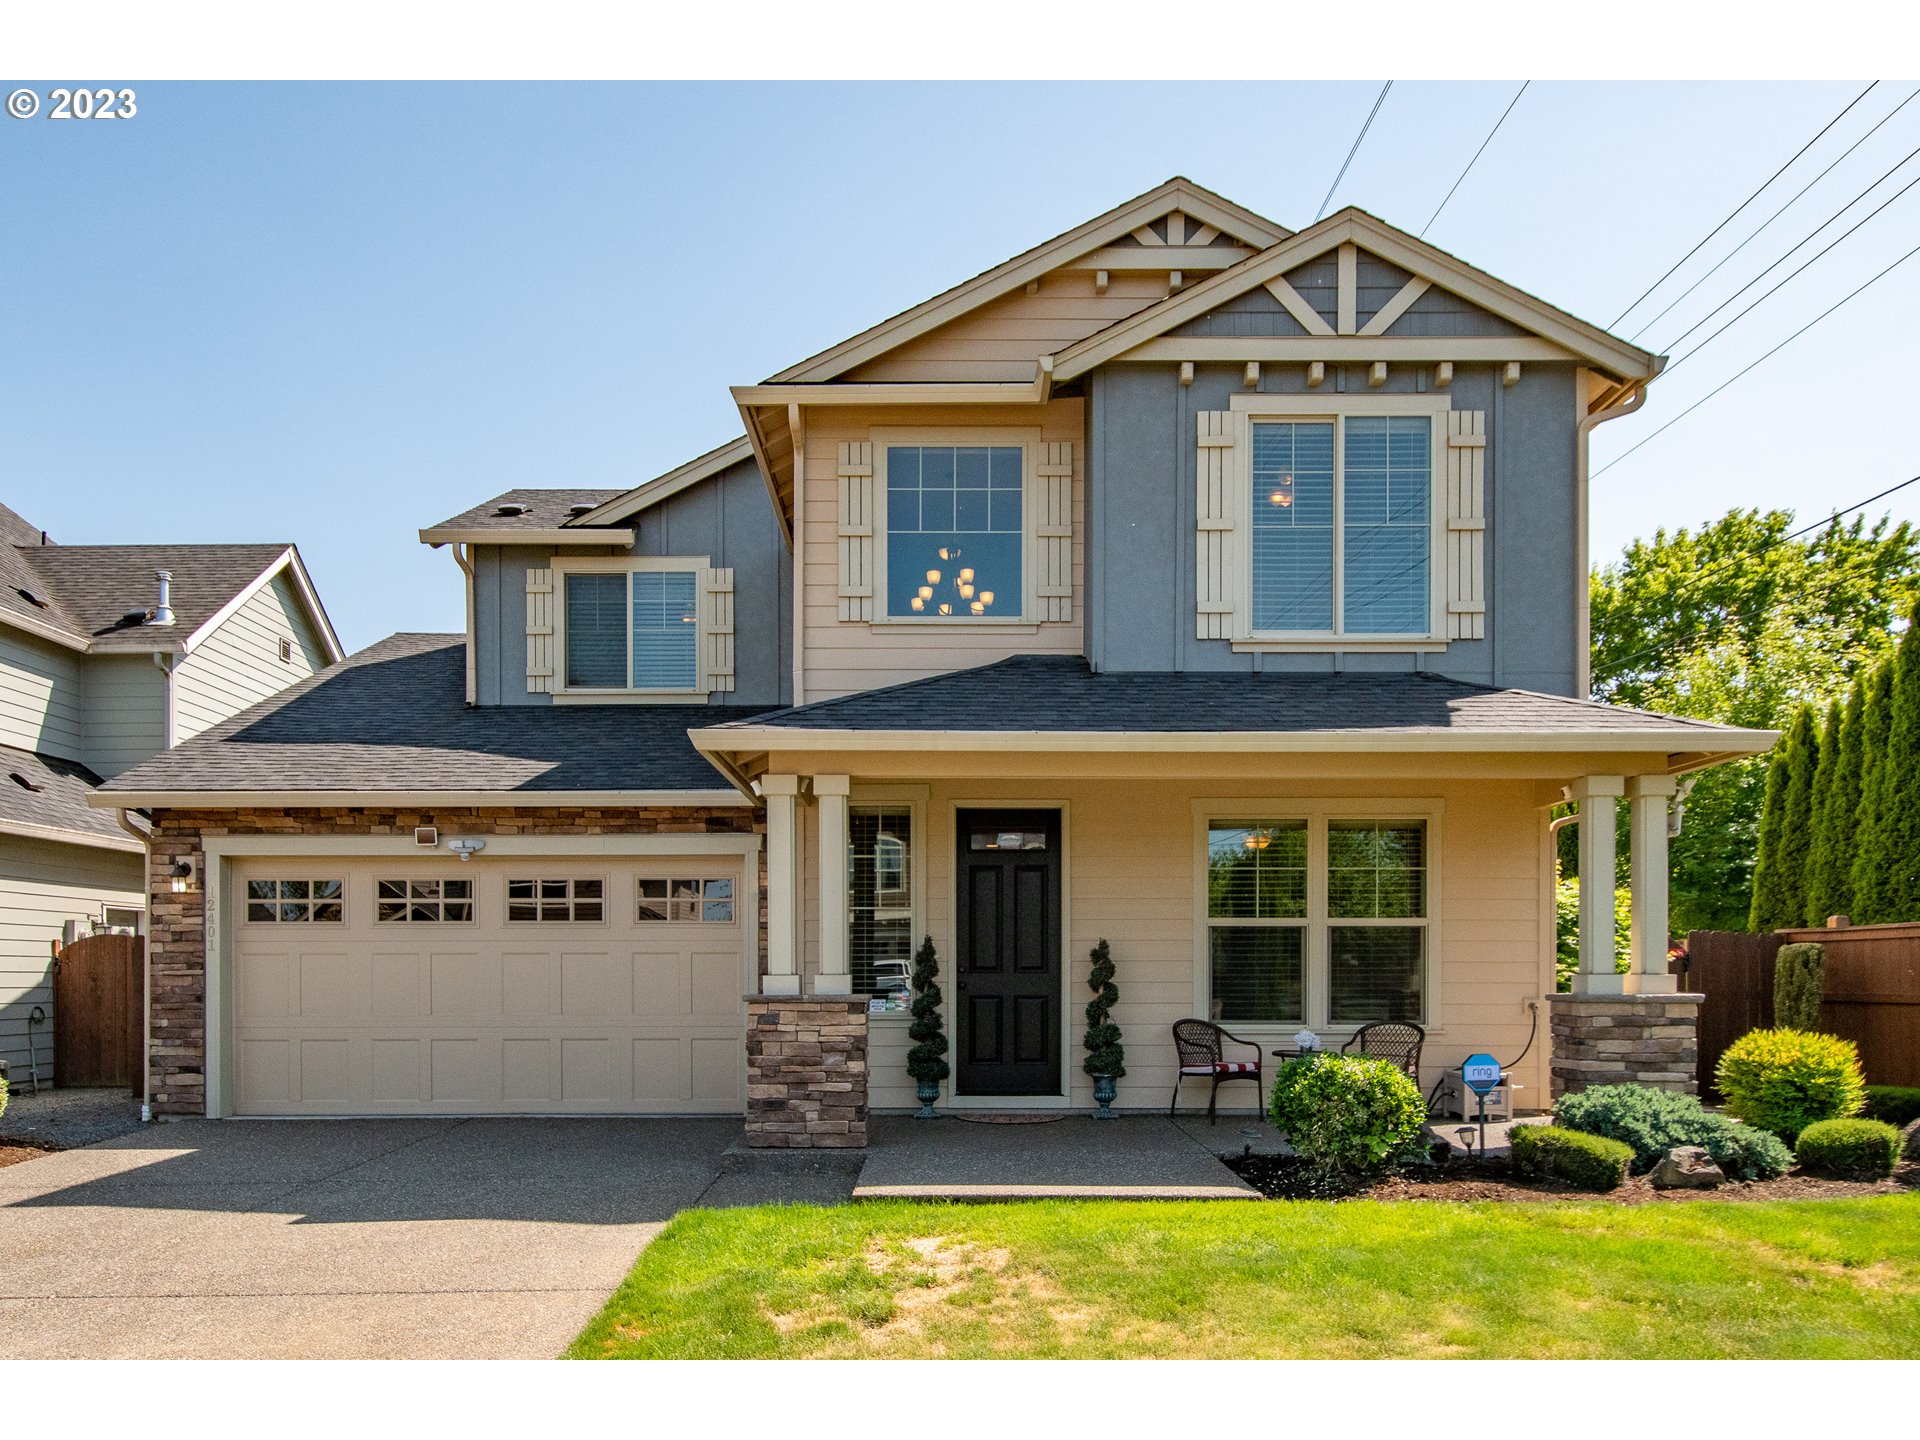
1188 582
109 654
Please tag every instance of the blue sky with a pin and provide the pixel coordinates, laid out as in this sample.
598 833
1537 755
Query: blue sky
334 313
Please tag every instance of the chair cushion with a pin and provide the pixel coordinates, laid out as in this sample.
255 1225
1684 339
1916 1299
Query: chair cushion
1223 1067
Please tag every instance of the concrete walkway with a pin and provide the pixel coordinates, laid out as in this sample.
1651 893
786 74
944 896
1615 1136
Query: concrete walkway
1132 1158
348 1238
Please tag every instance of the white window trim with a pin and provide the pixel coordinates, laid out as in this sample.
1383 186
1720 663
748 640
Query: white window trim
1316 1001
1028 438
565 565
914 800
1337 409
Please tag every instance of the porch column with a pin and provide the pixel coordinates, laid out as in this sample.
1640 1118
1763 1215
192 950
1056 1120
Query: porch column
835 973
1647 797
1597 796
782 793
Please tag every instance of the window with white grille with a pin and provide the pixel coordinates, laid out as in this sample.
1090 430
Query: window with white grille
556 901
422 902
296 902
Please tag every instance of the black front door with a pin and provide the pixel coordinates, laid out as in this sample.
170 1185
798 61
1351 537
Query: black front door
1008 973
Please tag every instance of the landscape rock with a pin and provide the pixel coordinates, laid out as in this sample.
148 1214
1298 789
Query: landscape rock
1687 1167
1910 1144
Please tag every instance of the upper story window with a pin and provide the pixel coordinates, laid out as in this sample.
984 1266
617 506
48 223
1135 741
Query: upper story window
955 531
1342 525
631 629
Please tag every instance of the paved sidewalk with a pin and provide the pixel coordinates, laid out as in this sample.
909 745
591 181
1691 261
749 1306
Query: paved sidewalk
345 1238
1132 1158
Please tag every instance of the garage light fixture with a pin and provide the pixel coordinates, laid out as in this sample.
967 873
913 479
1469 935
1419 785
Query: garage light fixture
466 847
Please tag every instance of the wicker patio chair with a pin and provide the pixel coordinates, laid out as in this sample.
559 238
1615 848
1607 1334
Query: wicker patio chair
1397 1040
1201 1045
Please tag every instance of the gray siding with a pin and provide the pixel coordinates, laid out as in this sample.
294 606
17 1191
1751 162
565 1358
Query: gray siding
730 520
126 712
239 664
40 696
1140 555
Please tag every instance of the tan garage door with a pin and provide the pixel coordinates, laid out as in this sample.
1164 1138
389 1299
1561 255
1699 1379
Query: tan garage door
486 987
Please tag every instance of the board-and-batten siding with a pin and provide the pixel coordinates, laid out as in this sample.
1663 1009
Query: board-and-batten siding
239 664
42 886
126 712
1132 852
41 697
846 656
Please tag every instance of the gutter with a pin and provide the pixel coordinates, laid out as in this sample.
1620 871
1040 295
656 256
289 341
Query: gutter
146 960
463 557
108 799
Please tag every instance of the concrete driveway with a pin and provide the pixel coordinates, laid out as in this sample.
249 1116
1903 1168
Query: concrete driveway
344 1238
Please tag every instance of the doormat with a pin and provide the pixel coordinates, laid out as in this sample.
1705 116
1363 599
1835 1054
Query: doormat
1011 1117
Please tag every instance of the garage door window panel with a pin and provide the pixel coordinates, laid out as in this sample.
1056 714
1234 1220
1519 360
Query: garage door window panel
423 902
701 900
295 902
556 901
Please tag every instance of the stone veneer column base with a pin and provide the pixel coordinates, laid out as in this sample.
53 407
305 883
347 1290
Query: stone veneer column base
1621 1039
806 1072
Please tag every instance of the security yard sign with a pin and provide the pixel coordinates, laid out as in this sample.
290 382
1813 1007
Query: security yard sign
1480 1073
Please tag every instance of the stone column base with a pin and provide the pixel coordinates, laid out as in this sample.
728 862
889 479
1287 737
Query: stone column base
1622 1039
806 1072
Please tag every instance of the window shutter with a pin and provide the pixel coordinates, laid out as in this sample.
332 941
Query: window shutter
1053 497
539 631
1214 522
1466 525
716 630
856 530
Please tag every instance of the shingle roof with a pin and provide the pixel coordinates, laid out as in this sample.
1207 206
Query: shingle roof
545 510
95 586
393 718
1062 693
54 795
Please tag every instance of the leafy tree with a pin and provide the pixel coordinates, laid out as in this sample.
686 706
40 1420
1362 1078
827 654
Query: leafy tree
1836 814
1896 808
1869 863
1566 932
1735 622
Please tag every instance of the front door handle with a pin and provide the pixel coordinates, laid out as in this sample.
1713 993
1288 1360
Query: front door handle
962 985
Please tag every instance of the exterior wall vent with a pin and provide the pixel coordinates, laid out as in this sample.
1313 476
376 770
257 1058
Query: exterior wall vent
426 837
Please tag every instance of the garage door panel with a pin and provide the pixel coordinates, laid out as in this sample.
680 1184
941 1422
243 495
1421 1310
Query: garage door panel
586 985
398 985
716 985
526 1068
459 1071
263 985
327 985
326 1072
464 985
395 1069
529 985
266 1071
586 1071
660 1070
717 1065
661 983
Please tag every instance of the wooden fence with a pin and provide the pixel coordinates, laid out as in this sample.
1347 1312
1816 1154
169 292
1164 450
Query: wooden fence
97 1011
1872 995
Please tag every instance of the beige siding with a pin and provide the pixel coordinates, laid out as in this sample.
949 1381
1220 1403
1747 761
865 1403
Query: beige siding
845 656
1002 339
1131 870
126 712
40 696
239 664
42 886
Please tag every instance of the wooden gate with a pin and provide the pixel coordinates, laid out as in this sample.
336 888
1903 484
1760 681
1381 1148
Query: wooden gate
97 1012
1734 971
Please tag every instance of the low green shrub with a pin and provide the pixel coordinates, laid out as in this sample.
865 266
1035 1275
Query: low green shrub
1590 1162
3 1094
1850 1149
1651 1122
1347 1112
1784 1080
1799 984
1895 1104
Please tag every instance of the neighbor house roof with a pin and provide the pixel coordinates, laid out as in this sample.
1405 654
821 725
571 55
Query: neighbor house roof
391 723
44 798
1053 702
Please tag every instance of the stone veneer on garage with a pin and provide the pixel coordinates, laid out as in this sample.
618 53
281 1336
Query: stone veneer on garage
806 1072
1617 1039
176 926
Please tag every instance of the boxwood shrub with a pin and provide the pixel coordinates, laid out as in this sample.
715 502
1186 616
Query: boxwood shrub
1347 1112
1651 1122
1784 1080
1850 1149
1590 1162
1895 1104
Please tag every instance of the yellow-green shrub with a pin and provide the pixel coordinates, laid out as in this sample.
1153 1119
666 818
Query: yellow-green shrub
1785 1080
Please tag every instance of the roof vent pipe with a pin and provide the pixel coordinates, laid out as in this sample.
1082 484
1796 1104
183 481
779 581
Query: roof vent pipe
163 612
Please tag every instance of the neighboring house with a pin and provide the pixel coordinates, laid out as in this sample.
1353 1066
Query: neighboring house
94 679
1185 581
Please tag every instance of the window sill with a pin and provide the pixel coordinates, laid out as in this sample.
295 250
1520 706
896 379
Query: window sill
1009 625
1337 644
630 697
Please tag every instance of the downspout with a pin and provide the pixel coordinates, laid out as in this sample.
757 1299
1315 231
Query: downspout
1583 601
463 557
166 664
146 961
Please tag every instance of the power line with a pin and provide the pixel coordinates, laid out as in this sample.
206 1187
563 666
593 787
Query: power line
1753 554
1764 273
1741 206
1755 234
1378 101
1768 356
1477 154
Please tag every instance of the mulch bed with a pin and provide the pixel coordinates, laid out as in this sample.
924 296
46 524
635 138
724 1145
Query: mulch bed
1284 1177
12 1154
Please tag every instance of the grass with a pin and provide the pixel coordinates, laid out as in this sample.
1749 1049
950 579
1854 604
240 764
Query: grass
1805 1279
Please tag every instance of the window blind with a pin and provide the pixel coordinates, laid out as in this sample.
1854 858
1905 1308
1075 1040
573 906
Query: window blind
666 633
1293 526
596 631
1387 524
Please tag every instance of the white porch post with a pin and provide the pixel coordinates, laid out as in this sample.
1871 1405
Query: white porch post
834 976
782 793
1647 797
1597 796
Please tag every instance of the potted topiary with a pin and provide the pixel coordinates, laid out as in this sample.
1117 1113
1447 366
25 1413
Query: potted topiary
927 1060
1106 1062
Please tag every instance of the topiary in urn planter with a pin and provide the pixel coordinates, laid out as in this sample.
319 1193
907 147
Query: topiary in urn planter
927 1060
1106 1061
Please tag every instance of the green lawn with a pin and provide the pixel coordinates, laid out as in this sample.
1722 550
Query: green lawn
1066 1278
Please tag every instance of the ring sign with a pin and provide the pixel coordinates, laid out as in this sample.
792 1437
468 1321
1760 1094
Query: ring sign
1481 1073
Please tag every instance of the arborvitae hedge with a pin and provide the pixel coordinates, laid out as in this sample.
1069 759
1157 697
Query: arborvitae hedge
1837 814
